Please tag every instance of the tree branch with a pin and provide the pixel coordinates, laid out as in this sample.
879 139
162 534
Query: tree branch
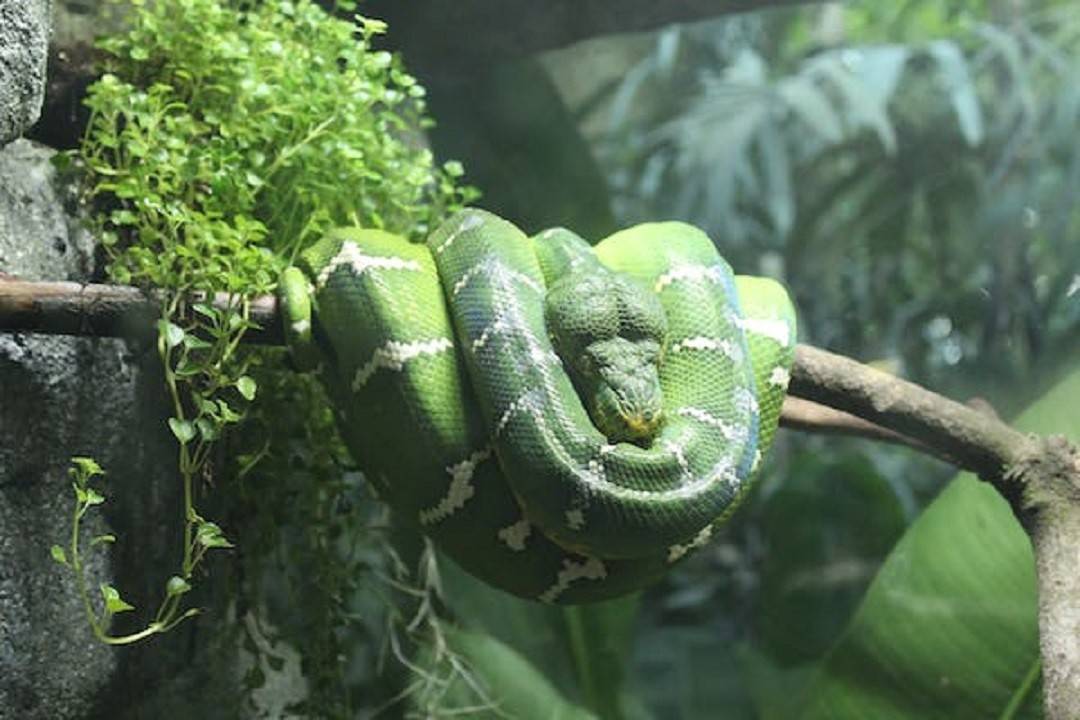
977 441
70 308
1039 476
512 28
809 416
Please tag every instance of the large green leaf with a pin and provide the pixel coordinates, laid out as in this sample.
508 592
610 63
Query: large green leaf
500 684
579 652
826 530
948 628
748 618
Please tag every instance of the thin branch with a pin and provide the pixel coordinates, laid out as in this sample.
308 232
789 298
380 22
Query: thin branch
70 308
976 440
829 393
809 416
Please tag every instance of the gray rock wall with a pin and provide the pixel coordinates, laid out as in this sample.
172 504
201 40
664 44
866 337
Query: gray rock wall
24 41
58 396
62 396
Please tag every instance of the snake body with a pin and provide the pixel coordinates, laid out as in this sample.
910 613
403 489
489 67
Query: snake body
459 371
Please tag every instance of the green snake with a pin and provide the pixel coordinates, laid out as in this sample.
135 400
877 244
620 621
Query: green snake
564 421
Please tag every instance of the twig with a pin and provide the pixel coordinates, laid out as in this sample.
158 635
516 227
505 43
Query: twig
977 441
69 308
809 416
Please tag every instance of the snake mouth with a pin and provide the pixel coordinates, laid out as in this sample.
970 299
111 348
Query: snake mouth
643 425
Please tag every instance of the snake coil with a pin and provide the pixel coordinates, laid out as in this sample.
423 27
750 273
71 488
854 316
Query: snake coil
471 376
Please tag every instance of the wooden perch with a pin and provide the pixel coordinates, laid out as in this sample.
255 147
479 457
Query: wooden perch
1039 476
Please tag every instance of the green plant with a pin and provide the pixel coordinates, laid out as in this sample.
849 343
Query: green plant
82 471
223 137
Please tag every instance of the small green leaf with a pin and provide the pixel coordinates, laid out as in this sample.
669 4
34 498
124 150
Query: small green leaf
93 497
209 535
246 385
227 413
187 368
193 342
182 429
87 466
113 602
173 333
58 554
207 429
177 586
80 493
107 538
205 310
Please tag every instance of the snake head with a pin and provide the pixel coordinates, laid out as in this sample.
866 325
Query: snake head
610 333
621 384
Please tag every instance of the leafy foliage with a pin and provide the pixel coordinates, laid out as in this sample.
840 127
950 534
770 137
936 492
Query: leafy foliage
225 136
918 197
83 471
907 169
848 167
959 585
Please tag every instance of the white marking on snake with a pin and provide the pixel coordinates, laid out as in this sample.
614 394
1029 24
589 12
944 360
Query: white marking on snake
706 418
777 330
676 551
493 268
780 377
727 347
515 535
360 263
394 354
724 471
591 569
757 462
575 519
710 273
496 326
469 223
525 401
465 279
499 269
745 400
596 467
460 490
680 456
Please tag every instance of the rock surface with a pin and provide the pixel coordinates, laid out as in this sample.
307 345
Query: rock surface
61 396
24 41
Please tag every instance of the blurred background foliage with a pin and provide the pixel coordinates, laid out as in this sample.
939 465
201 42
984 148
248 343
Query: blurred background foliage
910 170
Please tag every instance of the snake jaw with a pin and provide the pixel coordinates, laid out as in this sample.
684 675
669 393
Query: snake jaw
643 424
625 402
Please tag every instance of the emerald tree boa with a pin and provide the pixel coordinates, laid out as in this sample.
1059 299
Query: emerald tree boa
564 421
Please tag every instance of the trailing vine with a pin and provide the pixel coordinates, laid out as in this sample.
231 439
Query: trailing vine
224 136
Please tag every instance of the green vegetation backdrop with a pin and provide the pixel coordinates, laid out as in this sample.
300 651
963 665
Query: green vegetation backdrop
909 169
